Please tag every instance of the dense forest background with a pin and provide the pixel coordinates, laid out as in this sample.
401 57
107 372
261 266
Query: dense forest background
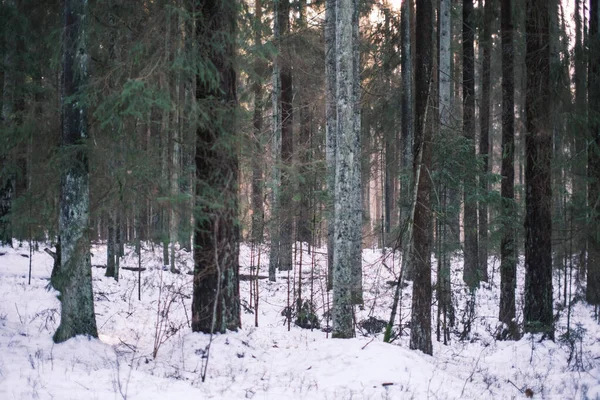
445 128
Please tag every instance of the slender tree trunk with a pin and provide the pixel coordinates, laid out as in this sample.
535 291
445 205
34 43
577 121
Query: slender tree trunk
420 334
111 247
508 262
484 137
538 316
471 264
331 126
407 140
445 116
287 145
593 276
348 218
258 214
74 278
216 297
274 227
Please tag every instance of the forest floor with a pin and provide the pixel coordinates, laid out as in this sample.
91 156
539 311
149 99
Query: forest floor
272 361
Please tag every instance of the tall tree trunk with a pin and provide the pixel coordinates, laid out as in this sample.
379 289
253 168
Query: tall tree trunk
538 315
330 129
348 218
286 221
216 297
407 139
471 264
508 261
420 334
580 138
593 276
484 139
7 181
445 115
258 213
275 224
74 278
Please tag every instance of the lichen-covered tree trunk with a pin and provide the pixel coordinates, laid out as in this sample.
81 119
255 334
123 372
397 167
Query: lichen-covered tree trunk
471 265
407 136
330 130
420 333
275 225
216 297
484 137
593 275
537 313
348 217
508 261
74 278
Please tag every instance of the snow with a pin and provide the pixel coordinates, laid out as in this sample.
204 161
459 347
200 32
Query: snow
268 362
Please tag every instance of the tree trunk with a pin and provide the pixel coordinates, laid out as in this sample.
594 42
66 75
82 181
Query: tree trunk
593 275
258 213
407 139
471 265
74 277
274 226
330 133
216 297
286 222
484 139
538 315
420 334
348 217
508 262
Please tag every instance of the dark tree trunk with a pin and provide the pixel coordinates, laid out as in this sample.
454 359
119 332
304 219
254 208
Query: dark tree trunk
111 246
420 334
508 262
593 276
538 182
471 266
484 138
216 298
74 278
407 136
287 145
258 214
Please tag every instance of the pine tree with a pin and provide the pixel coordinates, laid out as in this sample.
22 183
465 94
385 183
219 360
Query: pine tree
538 316
508 261
420 333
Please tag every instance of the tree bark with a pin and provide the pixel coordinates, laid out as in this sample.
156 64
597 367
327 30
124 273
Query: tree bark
508 261
330 130
593 275
348 217
538 315
216 297
74 278
407 139
484 139
420 334
471 265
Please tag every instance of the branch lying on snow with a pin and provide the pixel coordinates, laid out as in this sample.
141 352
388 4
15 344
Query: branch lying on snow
51 253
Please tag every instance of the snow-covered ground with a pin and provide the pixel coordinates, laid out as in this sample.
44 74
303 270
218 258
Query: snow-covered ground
268 361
